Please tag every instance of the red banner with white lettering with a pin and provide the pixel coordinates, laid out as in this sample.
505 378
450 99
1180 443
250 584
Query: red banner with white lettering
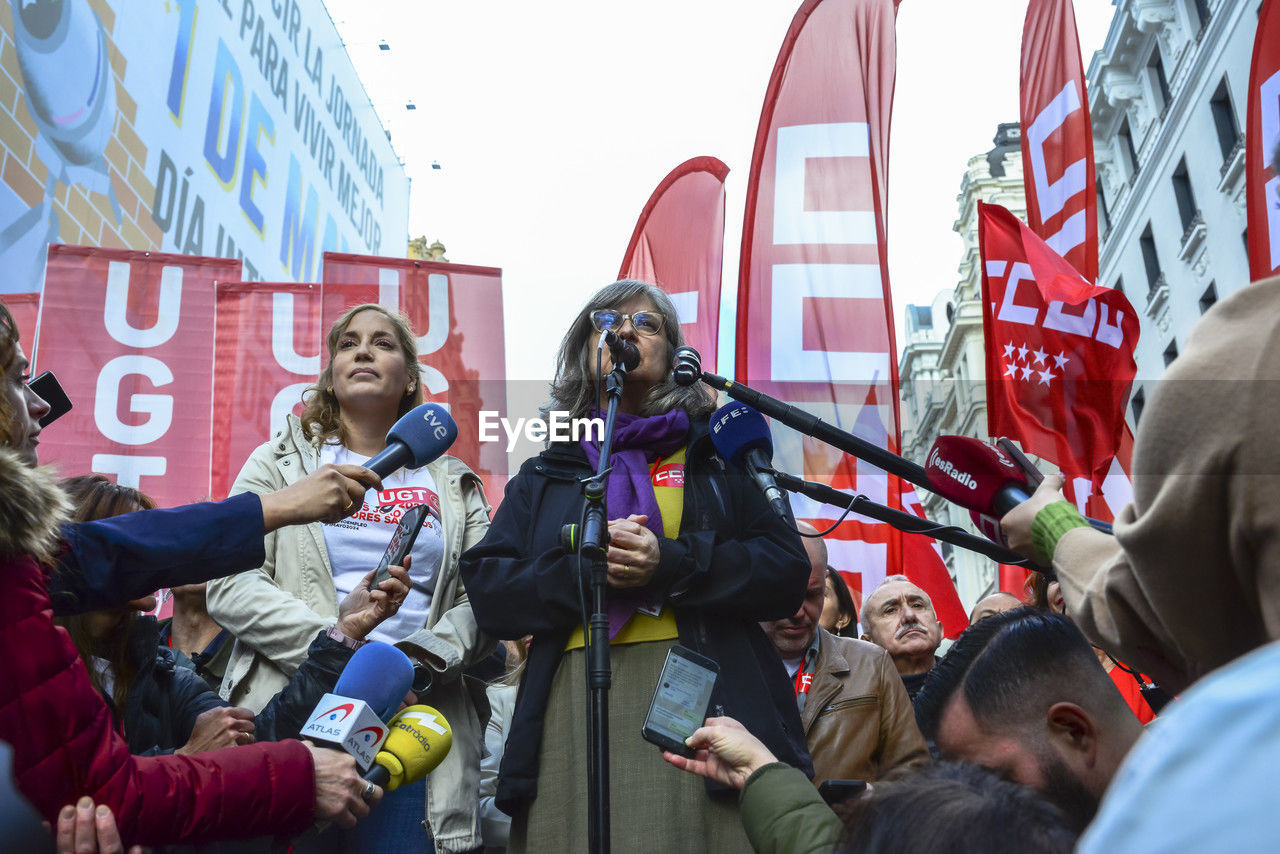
1059 359
25 309
815 317
678 245
1262 136
1057 141
267 352
130 336
457 312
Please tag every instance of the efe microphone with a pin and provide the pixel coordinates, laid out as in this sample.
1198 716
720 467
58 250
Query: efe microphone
741 436
420 436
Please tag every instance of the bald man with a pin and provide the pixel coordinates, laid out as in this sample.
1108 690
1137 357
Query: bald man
996 603
898 616
857 717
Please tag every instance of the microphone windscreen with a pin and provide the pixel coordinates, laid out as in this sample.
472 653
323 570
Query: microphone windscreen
737 428
418 741
380 675
970 472
427 430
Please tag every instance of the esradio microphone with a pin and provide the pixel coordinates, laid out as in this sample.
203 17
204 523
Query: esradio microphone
420 436
686 366
741 436
419 740
370 689
622 351
983 478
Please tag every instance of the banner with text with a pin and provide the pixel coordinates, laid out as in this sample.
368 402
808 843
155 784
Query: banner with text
815 317
1262 141
235 129
678 245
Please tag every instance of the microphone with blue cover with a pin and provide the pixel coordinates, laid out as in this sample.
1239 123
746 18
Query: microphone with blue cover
741 436
421 436
353 717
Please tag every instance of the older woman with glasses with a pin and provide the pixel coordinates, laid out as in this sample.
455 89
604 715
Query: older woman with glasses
696 557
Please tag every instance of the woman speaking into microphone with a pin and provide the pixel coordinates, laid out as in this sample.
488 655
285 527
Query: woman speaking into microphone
696 557
275 611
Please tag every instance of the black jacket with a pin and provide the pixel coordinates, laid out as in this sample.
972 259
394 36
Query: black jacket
735 563
165 699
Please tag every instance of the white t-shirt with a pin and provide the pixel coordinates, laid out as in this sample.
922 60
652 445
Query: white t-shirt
356 544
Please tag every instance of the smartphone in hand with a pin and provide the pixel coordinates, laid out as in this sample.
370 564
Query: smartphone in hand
402 541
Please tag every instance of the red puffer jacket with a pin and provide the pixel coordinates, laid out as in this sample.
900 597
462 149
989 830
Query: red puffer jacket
60 729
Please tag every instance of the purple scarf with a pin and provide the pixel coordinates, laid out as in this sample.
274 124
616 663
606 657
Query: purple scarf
636 441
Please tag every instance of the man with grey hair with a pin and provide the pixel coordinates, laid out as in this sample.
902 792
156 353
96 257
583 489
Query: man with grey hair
899 617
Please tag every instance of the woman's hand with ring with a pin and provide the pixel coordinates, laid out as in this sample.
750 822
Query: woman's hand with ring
633 552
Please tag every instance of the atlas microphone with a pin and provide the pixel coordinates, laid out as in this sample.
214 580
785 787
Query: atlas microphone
741 436
421 436
370 689
983 478
622 351
419 740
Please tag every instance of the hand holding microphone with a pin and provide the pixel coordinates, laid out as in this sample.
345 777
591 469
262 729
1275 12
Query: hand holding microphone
1016 524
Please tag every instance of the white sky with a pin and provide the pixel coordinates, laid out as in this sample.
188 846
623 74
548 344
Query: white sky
553 122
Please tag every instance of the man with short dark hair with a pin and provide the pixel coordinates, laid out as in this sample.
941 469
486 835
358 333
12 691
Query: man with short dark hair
858 721
1022 693
899 617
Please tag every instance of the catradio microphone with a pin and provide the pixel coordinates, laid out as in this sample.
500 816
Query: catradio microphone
686 366
370 689
983 478
420 436
741 436
419 740
622 351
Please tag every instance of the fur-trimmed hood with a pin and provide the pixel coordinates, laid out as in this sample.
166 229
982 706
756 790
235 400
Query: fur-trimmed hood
32 508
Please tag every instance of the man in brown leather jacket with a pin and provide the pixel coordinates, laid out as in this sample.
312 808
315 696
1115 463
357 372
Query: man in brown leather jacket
858 721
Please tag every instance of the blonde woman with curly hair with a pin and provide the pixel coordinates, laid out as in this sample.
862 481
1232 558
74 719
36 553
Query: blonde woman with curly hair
371 379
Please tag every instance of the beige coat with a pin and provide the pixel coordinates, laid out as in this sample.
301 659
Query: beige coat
275 611
1191 579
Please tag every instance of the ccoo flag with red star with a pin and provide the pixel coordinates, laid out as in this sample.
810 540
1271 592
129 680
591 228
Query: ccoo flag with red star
1059 349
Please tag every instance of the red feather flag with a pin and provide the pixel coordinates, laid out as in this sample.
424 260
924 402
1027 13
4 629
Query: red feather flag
1262 135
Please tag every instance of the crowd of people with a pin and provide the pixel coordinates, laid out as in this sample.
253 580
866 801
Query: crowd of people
833 724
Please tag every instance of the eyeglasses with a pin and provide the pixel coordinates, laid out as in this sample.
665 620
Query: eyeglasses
644 322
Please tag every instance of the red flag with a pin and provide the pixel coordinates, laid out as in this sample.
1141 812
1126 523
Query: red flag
1057 142
457 312
25 309
267 352
130 336
1262 135
815 324
678 244
1059 351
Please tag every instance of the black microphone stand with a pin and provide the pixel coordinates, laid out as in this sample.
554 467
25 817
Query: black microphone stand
594 545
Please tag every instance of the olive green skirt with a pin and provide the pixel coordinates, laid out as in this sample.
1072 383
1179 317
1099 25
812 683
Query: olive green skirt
654 806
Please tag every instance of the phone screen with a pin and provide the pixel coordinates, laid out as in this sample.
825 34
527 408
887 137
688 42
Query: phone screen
679 704
402 540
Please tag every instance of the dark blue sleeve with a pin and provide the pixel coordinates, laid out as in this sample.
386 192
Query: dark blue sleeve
111 561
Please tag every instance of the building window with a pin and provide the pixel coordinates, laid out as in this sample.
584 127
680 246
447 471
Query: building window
1104 210
1139 401
1159 81
1182 192
1202 12
1126 142
1150 258
1209 297
1170 353
1224 119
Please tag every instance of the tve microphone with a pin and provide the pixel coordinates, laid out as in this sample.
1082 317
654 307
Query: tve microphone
686 366
419 740
622 351
420 436
370 689
741 436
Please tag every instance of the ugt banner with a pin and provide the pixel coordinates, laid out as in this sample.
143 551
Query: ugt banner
1057 141
1262 138
678 245
457 312
815 325
1059 353
130 336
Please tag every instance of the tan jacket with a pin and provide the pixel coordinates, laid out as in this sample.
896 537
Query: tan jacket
1191 578
858 721
275 611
